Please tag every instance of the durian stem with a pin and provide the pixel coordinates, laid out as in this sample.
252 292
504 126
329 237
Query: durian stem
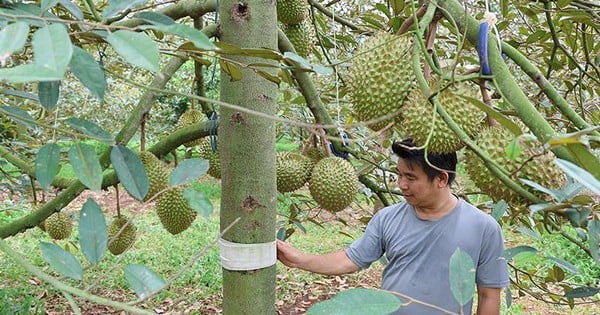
118 200
63 286
496 170
72 303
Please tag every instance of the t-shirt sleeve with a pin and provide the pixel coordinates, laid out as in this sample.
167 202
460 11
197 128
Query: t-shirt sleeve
492 268
369 247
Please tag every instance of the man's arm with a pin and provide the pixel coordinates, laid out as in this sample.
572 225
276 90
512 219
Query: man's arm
329 264
488 301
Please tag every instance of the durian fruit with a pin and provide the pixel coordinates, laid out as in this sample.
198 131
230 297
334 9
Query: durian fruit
529 164
333 183
292 11
214 158
157 174
58 226
380 78
189 117
120 242
315 154
293 171
419 117
301 36
174 212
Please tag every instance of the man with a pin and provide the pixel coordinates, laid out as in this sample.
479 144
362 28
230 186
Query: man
418 237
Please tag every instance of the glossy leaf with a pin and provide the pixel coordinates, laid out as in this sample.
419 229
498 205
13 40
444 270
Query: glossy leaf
13 37
130 171
594 239
86 165
358 302
18 115
143 280
48 4
117 6
28 73
137 48
64 262
510 253
89 72
21 94
235 74
89 128
48 92
565 264
155 18
579 174
46 164
199 39
582 292
188 170
93 235
462 276
52 49
72 8
499 209
198 201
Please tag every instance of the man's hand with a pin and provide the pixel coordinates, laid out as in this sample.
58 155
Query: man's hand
328 264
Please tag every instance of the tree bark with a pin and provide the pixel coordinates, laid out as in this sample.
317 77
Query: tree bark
247 149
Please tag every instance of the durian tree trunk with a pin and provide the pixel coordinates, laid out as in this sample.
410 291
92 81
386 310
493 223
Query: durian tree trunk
247 149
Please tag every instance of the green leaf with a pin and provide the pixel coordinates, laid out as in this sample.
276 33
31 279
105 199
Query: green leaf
89 129
93 235
198 201
155 18
48 92
513 150
117 6
21 94
18 115
143 280
89 72
64 262
499 209
462 276
501 118
582 292
235 74
86 165
13 37
188 170
137 48
509 253
72 8
565 264
130 171
594 239
199 39
47 4
580 175
52 49
358 302
46 164
28 73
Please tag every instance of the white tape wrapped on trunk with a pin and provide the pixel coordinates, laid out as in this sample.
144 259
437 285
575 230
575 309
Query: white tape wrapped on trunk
238 256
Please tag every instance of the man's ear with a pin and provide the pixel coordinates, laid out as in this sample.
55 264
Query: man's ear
444 178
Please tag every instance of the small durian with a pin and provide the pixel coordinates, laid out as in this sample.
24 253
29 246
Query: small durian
333 184
292 11
315 154
214 158
301 36
293 171
157 174
120 242
380 78
189 117
58 226
424 126
174 212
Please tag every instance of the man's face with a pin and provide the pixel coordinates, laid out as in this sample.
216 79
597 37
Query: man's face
416 187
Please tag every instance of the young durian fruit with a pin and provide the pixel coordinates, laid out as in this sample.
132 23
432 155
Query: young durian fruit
293 171
174 212
301 36
424 126
292 11
333 184
190 117
214 158
380 78
58 226
530 164
120 242
157 174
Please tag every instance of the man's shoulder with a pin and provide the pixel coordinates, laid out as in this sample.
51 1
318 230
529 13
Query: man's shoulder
393 210
474 213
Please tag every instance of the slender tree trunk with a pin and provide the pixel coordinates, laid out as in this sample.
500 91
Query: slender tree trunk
247 148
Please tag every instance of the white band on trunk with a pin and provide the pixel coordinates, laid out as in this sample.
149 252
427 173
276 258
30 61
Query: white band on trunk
239 256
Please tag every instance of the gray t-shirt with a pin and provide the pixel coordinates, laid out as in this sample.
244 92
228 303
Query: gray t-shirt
419 253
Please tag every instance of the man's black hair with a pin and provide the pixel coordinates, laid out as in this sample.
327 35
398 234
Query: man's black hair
408 151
